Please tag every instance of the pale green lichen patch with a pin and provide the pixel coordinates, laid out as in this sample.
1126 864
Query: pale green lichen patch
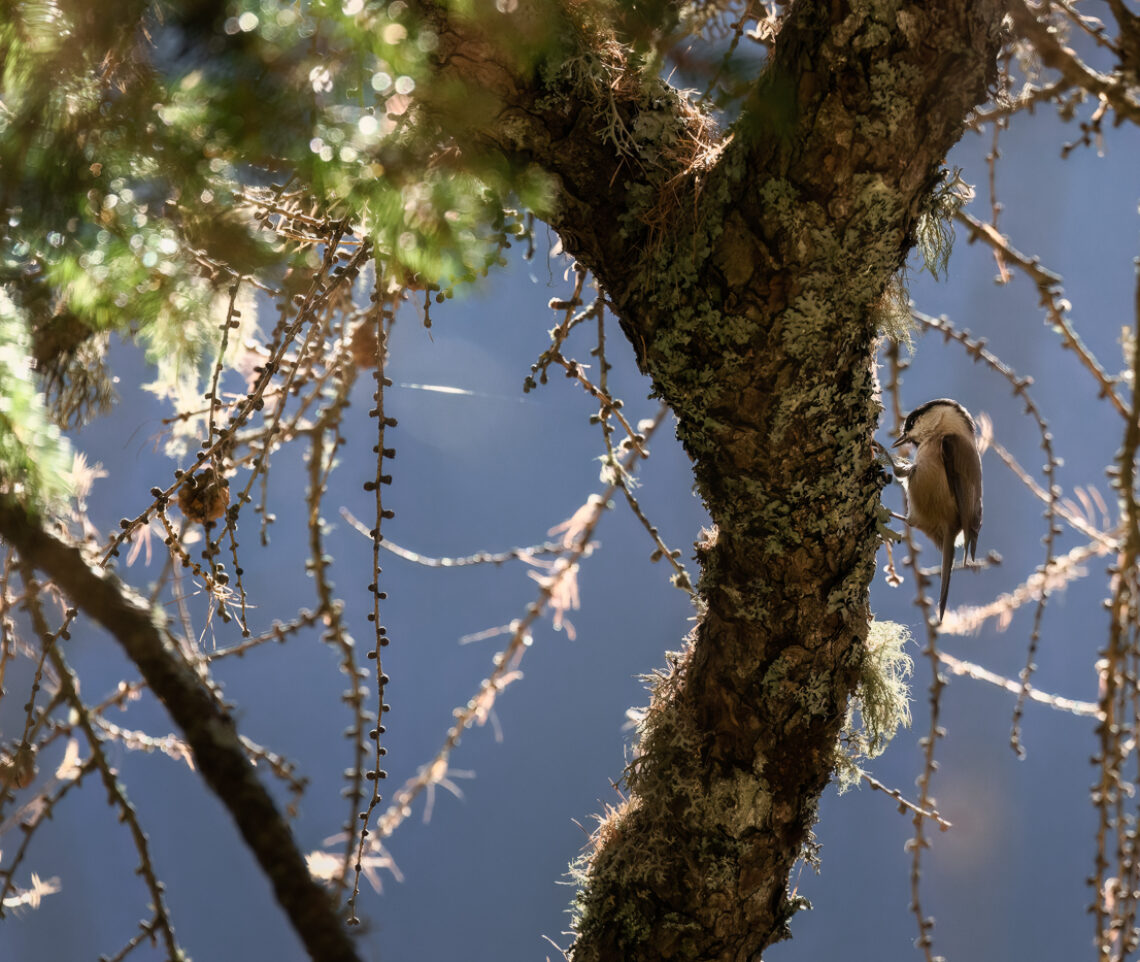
739 803
891 83
802 323
881 704
668 770
933 233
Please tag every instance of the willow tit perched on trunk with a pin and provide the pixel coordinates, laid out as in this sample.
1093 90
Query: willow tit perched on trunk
944 484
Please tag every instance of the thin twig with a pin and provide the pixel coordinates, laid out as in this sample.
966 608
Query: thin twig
905 804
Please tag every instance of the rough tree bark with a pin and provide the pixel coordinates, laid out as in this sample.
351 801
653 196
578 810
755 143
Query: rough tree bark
746 275
745 272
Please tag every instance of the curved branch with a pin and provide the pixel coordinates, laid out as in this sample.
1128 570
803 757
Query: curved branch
211 733
1075 71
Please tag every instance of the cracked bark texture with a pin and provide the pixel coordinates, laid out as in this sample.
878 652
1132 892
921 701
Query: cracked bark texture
745 272
746 275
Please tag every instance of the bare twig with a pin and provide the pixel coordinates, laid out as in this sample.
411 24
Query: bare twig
970 670
218 751
905 804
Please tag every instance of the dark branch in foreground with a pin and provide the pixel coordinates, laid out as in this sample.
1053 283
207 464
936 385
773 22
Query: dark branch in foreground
208 728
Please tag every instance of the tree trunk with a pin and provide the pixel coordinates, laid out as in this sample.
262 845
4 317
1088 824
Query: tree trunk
746 274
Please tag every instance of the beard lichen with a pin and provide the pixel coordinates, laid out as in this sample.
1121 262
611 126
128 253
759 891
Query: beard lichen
881 703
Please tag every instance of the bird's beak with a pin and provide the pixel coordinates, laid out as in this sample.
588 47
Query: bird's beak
903 439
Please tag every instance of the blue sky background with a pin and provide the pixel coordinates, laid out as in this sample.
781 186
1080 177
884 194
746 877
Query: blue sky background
485 879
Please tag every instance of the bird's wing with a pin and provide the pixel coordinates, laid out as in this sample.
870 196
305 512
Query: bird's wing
958 454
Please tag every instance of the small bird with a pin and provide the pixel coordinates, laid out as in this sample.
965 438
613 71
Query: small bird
944 484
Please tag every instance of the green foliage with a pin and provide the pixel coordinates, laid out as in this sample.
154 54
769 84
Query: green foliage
127 156
34 458
892 313
150 154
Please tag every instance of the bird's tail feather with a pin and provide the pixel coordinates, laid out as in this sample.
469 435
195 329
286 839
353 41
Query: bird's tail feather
947 567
